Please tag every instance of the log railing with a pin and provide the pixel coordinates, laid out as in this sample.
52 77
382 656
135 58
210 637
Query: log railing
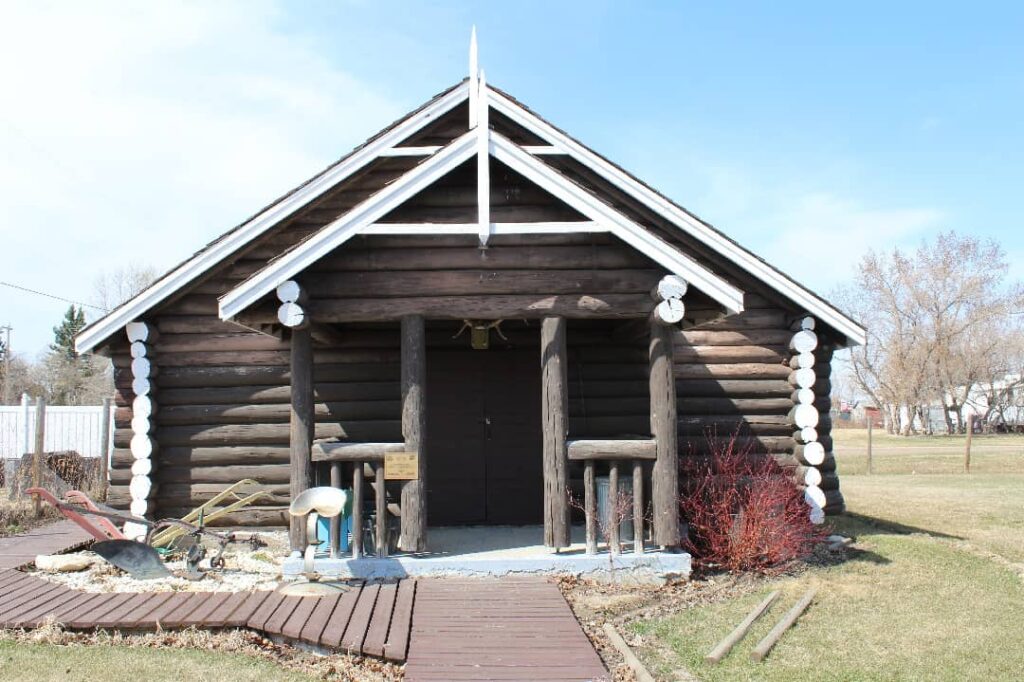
366 459
614 452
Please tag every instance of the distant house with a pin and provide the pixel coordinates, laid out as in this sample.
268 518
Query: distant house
477 291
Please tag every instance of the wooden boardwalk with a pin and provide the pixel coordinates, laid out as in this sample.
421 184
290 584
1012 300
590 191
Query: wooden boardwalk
445 629
503 629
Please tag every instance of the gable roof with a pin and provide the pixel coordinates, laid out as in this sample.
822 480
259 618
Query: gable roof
272 215
441 162
528 163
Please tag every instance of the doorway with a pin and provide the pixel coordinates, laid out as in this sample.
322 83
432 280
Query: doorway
484 432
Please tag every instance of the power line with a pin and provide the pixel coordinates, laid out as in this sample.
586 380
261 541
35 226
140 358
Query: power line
58 298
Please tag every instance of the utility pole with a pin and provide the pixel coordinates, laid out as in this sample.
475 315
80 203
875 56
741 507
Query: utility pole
6 397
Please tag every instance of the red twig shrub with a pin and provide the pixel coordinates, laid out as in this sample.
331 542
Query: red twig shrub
744 511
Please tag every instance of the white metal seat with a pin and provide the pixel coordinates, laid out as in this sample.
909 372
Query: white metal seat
313 503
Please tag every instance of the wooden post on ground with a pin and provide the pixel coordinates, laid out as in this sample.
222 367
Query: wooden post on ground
37 460
302 425
638 506
335 533
104 447
967 448
414 415
665 477
555 400
357 510
871 463
590 505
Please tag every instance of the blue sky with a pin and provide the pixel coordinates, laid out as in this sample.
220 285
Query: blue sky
136 132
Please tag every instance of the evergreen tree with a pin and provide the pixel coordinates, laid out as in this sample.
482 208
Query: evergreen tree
64 333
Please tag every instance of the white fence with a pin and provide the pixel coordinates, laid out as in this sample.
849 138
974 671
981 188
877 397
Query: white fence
77 428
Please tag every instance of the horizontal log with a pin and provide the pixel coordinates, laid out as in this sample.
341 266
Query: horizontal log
411 283
496 257
709 405
197 377
588 306
183 456
611 449
263 473
277 413
269 395
743 337
703 445
725 425
340 451
268 434
733 387
211 341
684 354
198 324
695 464
274 357
760 371
194 494
752 319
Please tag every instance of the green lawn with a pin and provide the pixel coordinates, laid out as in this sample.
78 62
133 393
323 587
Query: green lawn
910 604
41 662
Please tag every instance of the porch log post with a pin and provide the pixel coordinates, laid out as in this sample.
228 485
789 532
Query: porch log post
357 510
414 427
555 400
590 505
665 475
614 519
335 533
302 426
638 506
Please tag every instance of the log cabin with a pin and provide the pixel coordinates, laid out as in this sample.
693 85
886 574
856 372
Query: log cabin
467 320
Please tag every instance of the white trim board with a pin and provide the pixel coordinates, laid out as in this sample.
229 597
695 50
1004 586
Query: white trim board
339 231
363 217
827 313
136 307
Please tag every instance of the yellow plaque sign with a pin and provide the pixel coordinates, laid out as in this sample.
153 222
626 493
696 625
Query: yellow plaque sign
401 466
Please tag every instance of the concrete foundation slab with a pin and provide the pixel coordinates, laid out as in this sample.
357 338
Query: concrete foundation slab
489 551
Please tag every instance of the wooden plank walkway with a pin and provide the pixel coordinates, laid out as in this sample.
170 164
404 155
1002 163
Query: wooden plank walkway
503 629
367 619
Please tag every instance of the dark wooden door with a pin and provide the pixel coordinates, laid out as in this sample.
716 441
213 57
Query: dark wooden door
484 433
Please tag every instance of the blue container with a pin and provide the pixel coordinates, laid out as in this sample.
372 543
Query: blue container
323 527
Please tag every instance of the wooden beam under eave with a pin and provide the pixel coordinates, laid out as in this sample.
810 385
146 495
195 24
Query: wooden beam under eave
555 424
301 427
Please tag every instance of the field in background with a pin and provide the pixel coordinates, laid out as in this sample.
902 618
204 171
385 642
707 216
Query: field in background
996 453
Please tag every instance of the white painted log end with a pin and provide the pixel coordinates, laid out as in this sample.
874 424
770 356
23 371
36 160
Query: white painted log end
141 386
140 487
137 331
142 467
812 476
814 497
142 367
291 315
808 434
136 531
670 311
813 454
804 416
141 446
143 406
141 425
289 292
138 349
802 360
670 286
803 322
805 396
802 378
817 516
804 341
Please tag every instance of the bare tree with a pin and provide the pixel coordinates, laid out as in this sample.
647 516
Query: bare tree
938 323
114 287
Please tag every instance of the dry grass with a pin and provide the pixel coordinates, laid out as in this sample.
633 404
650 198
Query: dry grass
20 516
50 653
996 453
